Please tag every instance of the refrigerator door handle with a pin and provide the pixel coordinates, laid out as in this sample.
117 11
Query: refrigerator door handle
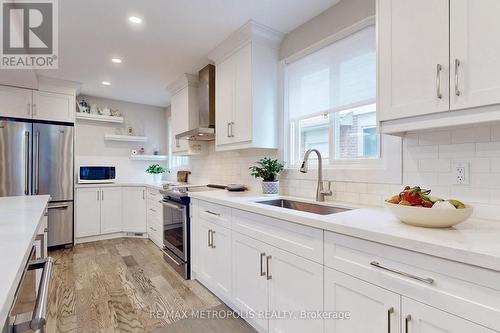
26 162
37 162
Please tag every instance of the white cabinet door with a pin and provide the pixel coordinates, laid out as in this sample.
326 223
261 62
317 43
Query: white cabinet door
421 318
224 100
221 261
88 212
54 107
180 121
372 309
241 125
205 260
474 53
413 40
15 102
134 209
295 284
250 284
111 210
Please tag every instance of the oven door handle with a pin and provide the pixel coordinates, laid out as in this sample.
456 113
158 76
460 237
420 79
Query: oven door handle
171 258
39 317
172 205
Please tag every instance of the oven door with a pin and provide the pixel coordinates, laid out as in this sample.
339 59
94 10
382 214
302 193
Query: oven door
175 228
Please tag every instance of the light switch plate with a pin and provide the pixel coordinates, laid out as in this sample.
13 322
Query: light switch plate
461 172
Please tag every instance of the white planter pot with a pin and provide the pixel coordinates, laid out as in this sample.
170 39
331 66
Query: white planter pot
157 177
271 187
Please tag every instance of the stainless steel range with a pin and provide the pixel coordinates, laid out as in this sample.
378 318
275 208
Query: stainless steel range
176 226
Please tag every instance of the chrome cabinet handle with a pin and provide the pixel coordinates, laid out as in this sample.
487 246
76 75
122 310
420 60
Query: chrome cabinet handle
27 162
212 213
268 267
102 195
213 245
152 228
390 311
408 275
228 129
29 109
262 255
407 321
232 129
209 231
37 162
457 65
34 109
58 207
98 195
439 68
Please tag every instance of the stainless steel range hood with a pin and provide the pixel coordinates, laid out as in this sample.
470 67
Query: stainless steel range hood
206 100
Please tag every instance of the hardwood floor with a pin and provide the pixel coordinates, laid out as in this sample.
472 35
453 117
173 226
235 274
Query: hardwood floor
123 285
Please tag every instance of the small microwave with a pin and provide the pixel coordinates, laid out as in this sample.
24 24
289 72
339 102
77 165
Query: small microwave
96 174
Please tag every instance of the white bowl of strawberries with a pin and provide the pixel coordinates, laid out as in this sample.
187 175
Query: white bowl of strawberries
415 206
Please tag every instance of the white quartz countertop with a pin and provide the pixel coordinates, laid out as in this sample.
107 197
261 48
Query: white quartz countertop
153 185
20 219
475 242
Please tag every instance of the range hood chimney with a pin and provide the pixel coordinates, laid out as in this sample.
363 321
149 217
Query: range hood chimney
206 102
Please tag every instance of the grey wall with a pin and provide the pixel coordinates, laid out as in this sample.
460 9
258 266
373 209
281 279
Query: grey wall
331 21
91 148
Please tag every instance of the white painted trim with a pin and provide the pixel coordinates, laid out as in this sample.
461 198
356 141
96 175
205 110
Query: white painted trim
107 236
369 21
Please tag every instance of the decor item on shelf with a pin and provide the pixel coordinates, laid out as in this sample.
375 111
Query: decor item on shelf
141 150
182 176
156 151
83 106
156 170
94 109
268 169
130 130
106 111
134 152
115 113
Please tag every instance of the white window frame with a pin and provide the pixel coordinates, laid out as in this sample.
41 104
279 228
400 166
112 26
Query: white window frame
387 168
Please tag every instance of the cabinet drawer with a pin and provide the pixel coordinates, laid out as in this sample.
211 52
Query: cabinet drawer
155 209
467 291
301 240
154 195
220 215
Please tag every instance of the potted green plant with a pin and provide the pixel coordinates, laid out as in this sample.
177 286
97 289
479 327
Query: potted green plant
268 169
156 170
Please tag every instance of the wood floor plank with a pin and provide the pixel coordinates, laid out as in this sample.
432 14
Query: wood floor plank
124 285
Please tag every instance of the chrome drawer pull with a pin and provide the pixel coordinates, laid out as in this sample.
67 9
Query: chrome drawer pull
438 81
213 245
457 65
268 264
262 273
212 213
411 276
390 311
407 321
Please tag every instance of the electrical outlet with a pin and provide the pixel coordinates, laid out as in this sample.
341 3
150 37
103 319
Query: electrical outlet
461 173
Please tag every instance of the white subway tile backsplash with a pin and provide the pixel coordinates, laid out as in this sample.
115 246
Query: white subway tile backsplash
489 149
443 165
457 151
495 133
471 135
480 165
421 152
434 138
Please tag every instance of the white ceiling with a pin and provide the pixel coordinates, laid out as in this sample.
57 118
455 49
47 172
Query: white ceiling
174 38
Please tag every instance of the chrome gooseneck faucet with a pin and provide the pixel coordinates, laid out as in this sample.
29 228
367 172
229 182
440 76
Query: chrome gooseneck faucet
320 192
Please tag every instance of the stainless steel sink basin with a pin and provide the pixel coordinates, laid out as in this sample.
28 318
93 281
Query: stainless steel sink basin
304 206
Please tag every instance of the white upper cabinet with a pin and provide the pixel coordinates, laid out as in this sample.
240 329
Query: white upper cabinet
474 53
246 89
413 58
16 102
54 107
436 56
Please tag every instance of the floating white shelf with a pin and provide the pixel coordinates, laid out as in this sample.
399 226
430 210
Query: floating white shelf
127 138
148 157
98 117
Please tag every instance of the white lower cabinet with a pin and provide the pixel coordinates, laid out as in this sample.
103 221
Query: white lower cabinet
111 210
371 308
421 318
88 212
215 262
134 209
263 283
360 286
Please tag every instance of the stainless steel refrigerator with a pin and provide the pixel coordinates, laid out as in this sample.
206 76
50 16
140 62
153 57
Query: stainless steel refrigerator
37 158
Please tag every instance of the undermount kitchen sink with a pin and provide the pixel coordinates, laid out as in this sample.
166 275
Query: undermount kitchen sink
304 206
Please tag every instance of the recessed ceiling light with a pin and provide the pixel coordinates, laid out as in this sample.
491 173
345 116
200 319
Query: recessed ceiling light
135 19
106 83
116 60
